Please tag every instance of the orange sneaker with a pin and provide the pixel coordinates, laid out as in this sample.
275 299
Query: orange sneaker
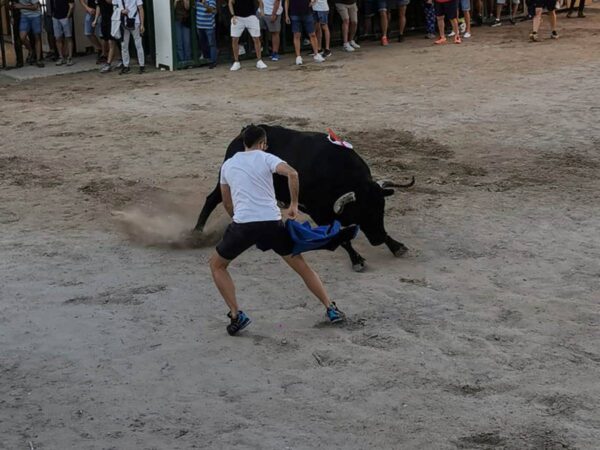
457 39
441 40
384 41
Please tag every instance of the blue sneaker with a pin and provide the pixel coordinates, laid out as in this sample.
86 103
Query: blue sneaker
334 314
275 57
237 324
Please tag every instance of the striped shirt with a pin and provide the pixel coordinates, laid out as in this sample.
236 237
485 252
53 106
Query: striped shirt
204 19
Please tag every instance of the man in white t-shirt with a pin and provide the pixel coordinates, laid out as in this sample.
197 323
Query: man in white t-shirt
133 24
249 198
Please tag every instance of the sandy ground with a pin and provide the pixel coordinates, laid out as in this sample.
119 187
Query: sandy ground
485 336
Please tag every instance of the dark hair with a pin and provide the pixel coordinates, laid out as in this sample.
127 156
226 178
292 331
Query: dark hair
252 135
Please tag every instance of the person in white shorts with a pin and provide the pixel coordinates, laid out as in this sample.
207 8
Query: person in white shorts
243 17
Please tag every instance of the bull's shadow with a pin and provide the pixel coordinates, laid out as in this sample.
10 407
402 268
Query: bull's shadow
335 184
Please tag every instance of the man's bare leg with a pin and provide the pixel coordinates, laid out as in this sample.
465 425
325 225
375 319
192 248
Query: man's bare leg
235 42
309 276
224 282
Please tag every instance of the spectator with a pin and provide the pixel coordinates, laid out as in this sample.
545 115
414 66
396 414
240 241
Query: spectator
402 4
104 10
512 11
183 44
93 32
465 7
132 15
298 13
271 24
321 16
580 13
550 5
447 9
31 21
348 11
429 11
206 11
62 11
243 17
49 28
373 6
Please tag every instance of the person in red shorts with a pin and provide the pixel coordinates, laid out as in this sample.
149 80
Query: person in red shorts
447 9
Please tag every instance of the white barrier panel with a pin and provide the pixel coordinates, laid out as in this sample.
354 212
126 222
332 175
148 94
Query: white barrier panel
163 34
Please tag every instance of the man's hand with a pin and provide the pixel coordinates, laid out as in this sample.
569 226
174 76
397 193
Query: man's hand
273 17
292 212
91 11
234 20
124 11
142 29
287 20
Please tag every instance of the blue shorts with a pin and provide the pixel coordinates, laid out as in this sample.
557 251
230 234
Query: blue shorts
33 24
321 17
373 6
306 20
465 5
392 4
87 25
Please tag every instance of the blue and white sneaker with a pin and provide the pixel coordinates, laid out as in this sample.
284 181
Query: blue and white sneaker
275 57
237 324
334 314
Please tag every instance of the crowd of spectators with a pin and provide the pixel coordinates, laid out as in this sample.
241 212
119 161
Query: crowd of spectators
109 26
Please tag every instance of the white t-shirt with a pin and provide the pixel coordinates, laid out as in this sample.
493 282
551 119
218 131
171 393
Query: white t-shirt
320 5
249 175
268 5
132 7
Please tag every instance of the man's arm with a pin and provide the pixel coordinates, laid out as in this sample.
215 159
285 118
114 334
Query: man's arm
261 8
86 7
293 184
275 8
286 8
141 13
227 201
71 8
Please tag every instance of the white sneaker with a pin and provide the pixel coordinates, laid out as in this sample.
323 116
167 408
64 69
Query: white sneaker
462 27
241 50
318 58
299 60
348 47
236 66
467 35
451 34
260 64
354 44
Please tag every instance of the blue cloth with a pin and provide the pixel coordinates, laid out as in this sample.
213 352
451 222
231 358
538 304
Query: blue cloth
325 237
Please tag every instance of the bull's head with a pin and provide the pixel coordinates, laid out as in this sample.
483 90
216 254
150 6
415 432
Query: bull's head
366 206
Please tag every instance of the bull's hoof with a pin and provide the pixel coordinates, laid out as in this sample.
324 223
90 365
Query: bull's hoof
400 251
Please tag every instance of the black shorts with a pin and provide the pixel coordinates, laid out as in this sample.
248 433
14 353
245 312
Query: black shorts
105 28
550 5
447 9
269 235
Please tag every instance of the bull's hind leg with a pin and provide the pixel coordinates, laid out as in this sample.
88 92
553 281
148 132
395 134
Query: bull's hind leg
212 201
358 262
397 248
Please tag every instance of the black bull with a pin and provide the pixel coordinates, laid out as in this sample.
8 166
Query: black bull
335 184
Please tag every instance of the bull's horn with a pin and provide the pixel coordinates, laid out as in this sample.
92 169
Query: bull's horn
389 184
338 206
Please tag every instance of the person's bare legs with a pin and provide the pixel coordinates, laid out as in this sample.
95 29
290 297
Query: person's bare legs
309 276
235 42
257 46
552 16
441 26
318 34
454 23
314 43
327 35
345 30
402 18
224 282
537 19
383 18
352 30
275 42
297 43
25 41
467 21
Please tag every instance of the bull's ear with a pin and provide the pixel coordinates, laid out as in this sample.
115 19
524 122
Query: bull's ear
387 192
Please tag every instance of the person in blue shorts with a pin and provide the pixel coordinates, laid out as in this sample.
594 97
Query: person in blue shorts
380 6
249 198
299 14
321 14
31 22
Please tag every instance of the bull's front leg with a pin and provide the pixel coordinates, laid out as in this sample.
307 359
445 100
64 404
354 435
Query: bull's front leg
358 262
397 248
212 201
